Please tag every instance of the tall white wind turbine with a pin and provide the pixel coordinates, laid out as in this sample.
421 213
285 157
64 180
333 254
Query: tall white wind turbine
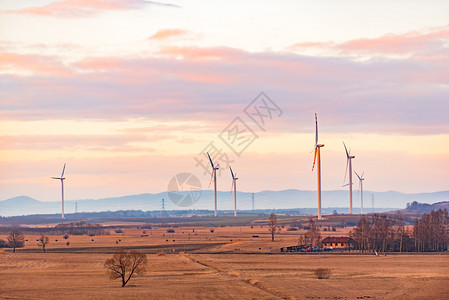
214 174
234 185
361 191
349 164
317 159
62 187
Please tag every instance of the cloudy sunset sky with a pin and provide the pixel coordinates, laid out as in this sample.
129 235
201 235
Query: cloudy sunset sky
128 93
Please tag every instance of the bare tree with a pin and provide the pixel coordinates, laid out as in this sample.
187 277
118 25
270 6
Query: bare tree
361 234
43 242
313 235
125 264
16 239
272 223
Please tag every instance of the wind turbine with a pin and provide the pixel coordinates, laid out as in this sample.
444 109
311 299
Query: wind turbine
361 191
234 184
62 187
214 173
349 163
317 159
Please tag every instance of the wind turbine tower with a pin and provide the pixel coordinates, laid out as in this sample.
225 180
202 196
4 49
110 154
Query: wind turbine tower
62 188
214 174
234 184
349 158
317 159
361 191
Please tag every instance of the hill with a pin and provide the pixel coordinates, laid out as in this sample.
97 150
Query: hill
286 199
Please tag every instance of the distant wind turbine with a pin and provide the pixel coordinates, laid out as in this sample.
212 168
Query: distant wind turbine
62 187
317 159
361 191
234 185
349 164
214 174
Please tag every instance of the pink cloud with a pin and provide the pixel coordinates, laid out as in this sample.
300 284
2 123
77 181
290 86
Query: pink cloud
32 63
167 33
411 42
214 84
83 8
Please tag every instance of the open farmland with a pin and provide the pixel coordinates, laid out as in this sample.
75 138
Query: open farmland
230 262
227 276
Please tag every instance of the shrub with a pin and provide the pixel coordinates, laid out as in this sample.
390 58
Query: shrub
321 273
170 231
292 229
118 231
66 236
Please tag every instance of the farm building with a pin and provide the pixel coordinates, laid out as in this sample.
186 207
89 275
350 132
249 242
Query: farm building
342 242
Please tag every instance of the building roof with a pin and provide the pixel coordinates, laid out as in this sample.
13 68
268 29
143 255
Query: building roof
334 239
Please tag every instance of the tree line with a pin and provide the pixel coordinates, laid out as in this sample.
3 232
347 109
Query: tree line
383 233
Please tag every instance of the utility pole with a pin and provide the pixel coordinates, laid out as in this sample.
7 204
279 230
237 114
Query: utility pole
252 198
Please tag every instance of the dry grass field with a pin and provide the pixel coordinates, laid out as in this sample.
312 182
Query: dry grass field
230 264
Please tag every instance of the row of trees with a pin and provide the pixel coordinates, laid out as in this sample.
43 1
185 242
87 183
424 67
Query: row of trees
16 239
383 233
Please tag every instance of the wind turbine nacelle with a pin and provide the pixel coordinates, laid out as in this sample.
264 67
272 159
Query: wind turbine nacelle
320 145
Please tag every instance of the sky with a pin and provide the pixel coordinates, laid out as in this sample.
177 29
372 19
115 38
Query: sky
130 93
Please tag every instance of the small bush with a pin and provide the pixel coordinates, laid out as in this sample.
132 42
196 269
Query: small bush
321 273
118 231
292 229
65 236
170 231
212 230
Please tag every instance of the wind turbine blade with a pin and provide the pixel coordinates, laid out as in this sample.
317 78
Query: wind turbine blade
316 129
357 175
346 172
56 178
362 174
346 149
232 173
212 164
314 158
63 170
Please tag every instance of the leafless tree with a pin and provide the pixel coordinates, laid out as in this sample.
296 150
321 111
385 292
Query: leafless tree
313 235
125 264
272 225
400 231
361 234
16 239
431 231
43 242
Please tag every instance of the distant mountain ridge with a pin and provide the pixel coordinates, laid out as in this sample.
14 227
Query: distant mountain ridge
24 205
